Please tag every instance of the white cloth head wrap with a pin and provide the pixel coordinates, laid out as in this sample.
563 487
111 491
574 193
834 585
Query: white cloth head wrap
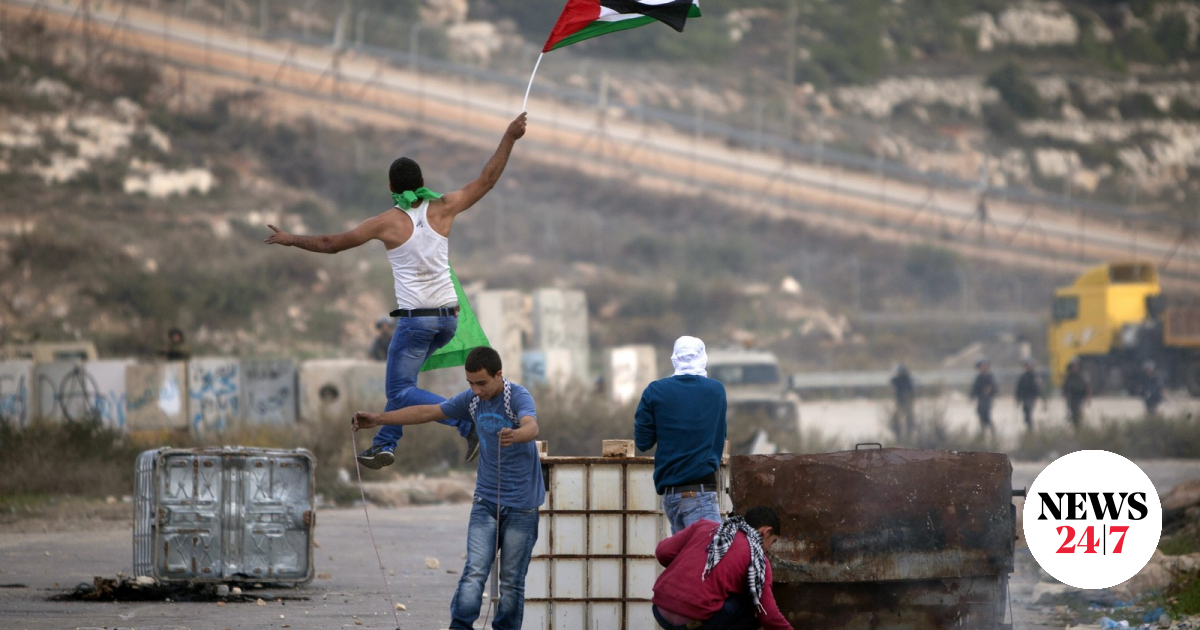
689 357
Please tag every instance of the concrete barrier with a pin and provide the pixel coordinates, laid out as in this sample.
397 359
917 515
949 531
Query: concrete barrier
110 401
325 389
59 391
503 315
367 386
16 392
269 391
214 394
156 395
628 370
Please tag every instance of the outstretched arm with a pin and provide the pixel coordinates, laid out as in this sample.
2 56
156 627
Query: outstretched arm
329 243
417 414
526 432
459 200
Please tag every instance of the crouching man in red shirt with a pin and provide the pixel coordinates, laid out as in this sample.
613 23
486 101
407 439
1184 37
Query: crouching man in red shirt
718 575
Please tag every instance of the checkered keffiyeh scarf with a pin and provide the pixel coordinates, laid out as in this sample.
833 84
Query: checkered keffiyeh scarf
473 408
721 543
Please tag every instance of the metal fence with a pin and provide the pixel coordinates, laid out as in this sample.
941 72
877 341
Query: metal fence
1165 237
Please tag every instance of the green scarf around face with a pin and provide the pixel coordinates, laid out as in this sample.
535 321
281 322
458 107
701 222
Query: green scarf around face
469 334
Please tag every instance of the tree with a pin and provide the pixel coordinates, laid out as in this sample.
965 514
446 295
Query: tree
1017 90
935 271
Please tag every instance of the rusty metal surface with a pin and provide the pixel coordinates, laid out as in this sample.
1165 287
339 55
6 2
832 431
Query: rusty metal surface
891 539
225 515
1183 324
959 603
883 514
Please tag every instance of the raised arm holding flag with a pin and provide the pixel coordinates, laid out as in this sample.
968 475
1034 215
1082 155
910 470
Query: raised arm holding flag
435 326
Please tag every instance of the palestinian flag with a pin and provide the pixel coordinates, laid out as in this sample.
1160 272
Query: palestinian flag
584 19
468 336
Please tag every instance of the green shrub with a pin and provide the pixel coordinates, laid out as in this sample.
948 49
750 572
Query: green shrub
1139 105
1138 44
935 271
1182 108
1000 120
1173 34
1151 437
1017 90
71 458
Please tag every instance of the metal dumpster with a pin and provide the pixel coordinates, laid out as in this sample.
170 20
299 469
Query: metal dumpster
225 515
886 538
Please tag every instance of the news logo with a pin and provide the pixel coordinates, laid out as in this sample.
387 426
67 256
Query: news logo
1092 519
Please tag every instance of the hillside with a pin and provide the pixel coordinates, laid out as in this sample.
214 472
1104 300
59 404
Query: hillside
89 251
1077 98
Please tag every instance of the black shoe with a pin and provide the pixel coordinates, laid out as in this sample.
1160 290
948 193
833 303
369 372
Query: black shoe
472 444
376 457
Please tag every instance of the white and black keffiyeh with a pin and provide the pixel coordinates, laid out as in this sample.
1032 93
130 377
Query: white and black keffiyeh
723 540
473 408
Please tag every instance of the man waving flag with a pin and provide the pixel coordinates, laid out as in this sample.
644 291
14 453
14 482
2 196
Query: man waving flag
584 19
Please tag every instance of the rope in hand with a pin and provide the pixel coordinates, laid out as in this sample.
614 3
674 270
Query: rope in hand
495 596
358 470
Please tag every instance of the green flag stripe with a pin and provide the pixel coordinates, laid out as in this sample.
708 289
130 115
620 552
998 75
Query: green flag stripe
598 28
603 27
467 336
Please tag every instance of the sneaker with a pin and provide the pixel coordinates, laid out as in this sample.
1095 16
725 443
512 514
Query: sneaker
377 457
472 444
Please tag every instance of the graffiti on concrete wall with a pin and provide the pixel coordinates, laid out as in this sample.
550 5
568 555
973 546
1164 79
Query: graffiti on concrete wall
66 391
269 391
109 401
15 401
213 394
155 396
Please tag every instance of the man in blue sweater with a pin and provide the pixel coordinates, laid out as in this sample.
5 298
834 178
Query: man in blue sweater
685 415
506 420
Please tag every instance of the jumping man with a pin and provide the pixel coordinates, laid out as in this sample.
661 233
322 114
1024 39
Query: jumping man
416 235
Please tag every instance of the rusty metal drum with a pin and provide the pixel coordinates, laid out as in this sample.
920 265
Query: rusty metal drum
886 538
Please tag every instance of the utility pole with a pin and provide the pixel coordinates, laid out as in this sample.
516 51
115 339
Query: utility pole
414 33
789 64
87 36
359 27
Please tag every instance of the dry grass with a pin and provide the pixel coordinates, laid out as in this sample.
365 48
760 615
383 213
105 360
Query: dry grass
89 460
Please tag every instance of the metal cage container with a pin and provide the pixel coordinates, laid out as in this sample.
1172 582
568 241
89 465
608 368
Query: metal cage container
224 515
593 564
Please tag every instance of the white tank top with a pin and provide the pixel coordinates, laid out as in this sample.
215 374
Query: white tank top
421 266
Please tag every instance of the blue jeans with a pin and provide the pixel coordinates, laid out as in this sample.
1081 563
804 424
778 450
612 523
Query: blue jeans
518 532
736 614
682 512
415 339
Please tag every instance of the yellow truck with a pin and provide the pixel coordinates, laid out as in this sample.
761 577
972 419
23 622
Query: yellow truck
1113 319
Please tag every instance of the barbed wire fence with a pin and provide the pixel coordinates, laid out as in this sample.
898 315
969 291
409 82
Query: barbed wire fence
1035 224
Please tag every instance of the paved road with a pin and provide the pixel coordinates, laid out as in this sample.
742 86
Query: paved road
52 563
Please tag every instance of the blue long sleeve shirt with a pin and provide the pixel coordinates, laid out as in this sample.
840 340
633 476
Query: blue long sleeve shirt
685 416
